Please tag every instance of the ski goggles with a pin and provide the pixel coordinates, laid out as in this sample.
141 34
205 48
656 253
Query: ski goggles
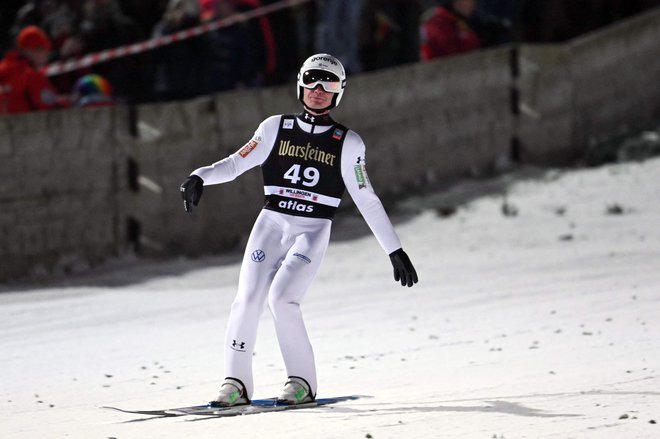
328 80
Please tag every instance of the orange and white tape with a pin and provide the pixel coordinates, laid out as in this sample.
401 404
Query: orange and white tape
91 59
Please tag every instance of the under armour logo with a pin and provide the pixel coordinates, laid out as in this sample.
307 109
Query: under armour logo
238 346
258 255
309 118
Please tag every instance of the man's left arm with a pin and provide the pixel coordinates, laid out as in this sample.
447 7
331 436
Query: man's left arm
356 179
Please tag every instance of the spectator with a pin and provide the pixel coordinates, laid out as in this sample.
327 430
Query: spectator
27 15
237 55
286 47
180 69
104 26
144 13
207 9
61 24
338 31
23 88
275 42
93 91
390 34
448 30
494 21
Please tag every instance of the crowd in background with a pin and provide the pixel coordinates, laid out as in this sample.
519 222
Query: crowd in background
364 34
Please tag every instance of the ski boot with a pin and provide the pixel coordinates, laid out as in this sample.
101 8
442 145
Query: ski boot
232 393
296 391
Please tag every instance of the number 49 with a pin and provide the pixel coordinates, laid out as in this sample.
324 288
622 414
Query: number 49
311 175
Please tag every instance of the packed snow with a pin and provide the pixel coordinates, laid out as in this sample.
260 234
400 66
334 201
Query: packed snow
536 316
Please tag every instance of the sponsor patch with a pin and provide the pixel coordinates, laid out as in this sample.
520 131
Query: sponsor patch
248 148
238 346
298 193
306 152
258 256
303 258
337 134
360 176
295 193
294 205
324 58
287 124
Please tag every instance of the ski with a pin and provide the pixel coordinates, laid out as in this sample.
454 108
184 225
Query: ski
257 406
182 411
162 413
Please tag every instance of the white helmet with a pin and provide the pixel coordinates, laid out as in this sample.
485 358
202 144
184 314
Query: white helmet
325 70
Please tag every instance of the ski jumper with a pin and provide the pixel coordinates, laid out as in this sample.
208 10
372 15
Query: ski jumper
306 166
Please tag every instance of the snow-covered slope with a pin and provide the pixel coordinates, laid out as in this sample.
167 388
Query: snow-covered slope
541 323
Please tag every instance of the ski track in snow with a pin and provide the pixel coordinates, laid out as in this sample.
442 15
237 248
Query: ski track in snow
542 323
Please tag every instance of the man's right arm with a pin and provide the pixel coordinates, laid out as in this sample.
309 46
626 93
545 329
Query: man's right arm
252 154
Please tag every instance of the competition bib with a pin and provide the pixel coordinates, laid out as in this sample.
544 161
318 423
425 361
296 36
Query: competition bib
302 174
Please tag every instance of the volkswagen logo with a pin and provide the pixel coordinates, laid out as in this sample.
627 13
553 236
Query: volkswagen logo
258 256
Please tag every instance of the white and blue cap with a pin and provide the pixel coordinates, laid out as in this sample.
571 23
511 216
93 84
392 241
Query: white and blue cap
324 70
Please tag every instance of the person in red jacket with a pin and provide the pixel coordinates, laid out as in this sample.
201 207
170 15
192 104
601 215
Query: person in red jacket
23 87
448 31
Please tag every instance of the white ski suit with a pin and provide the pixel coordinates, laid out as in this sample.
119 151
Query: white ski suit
306 167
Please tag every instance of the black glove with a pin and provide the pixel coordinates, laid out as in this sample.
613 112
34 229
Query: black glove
403 268
191 192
